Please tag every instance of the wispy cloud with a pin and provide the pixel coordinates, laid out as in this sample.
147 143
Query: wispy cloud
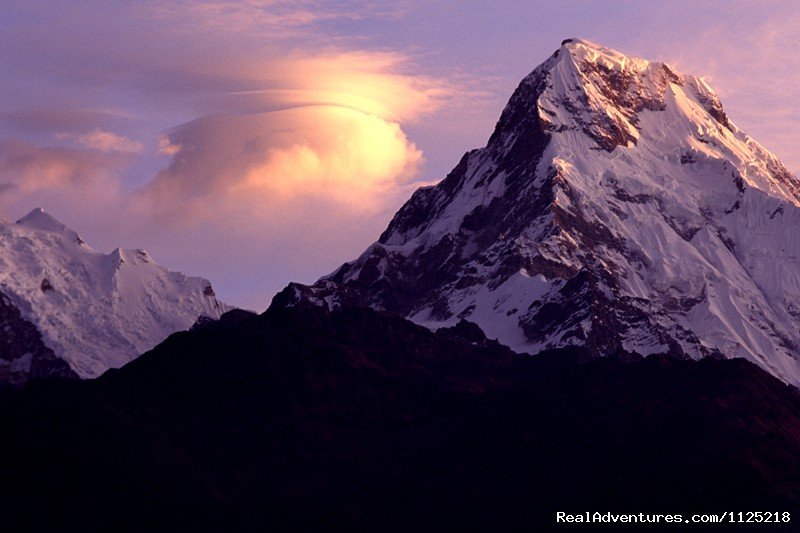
380 83
77 181
51 120
271 18
103 141
28 167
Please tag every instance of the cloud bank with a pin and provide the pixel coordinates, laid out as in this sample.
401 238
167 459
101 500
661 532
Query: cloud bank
244 165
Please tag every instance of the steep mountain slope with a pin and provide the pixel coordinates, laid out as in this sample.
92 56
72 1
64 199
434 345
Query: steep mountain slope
614 207
94 311
23 354
304 419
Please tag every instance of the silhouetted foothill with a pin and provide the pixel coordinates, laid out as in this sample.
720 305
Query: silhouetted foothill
305 418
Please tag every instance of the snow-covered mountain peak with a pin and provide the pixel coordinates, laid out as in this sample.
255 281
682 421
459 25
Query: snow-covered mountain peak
587 98
601 92
615 206
94 310
41 220
584 51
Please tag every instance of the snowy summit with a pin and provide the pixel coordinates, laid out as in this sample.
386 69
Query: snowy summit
94 311
615 207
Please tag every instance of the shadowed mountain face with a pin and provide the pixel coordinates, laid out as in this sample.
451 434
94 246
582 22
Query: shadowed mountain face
23 354
306 418
615 207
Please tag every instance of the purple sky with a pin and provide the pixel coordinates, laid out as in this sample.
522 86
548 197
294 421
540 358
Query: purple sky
255 143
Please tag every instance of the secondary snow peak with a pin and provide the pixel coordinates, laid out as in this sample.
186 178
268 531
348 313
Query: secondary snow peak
93 311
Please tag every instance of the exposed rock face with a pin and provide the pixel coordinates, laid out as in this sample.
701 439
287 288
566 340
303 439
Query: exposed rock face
23 355
615 207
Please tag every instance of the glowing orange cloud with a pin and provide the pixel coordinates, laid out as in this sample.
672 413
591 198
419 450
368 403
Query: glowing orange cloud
274 160
346 155
323 128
